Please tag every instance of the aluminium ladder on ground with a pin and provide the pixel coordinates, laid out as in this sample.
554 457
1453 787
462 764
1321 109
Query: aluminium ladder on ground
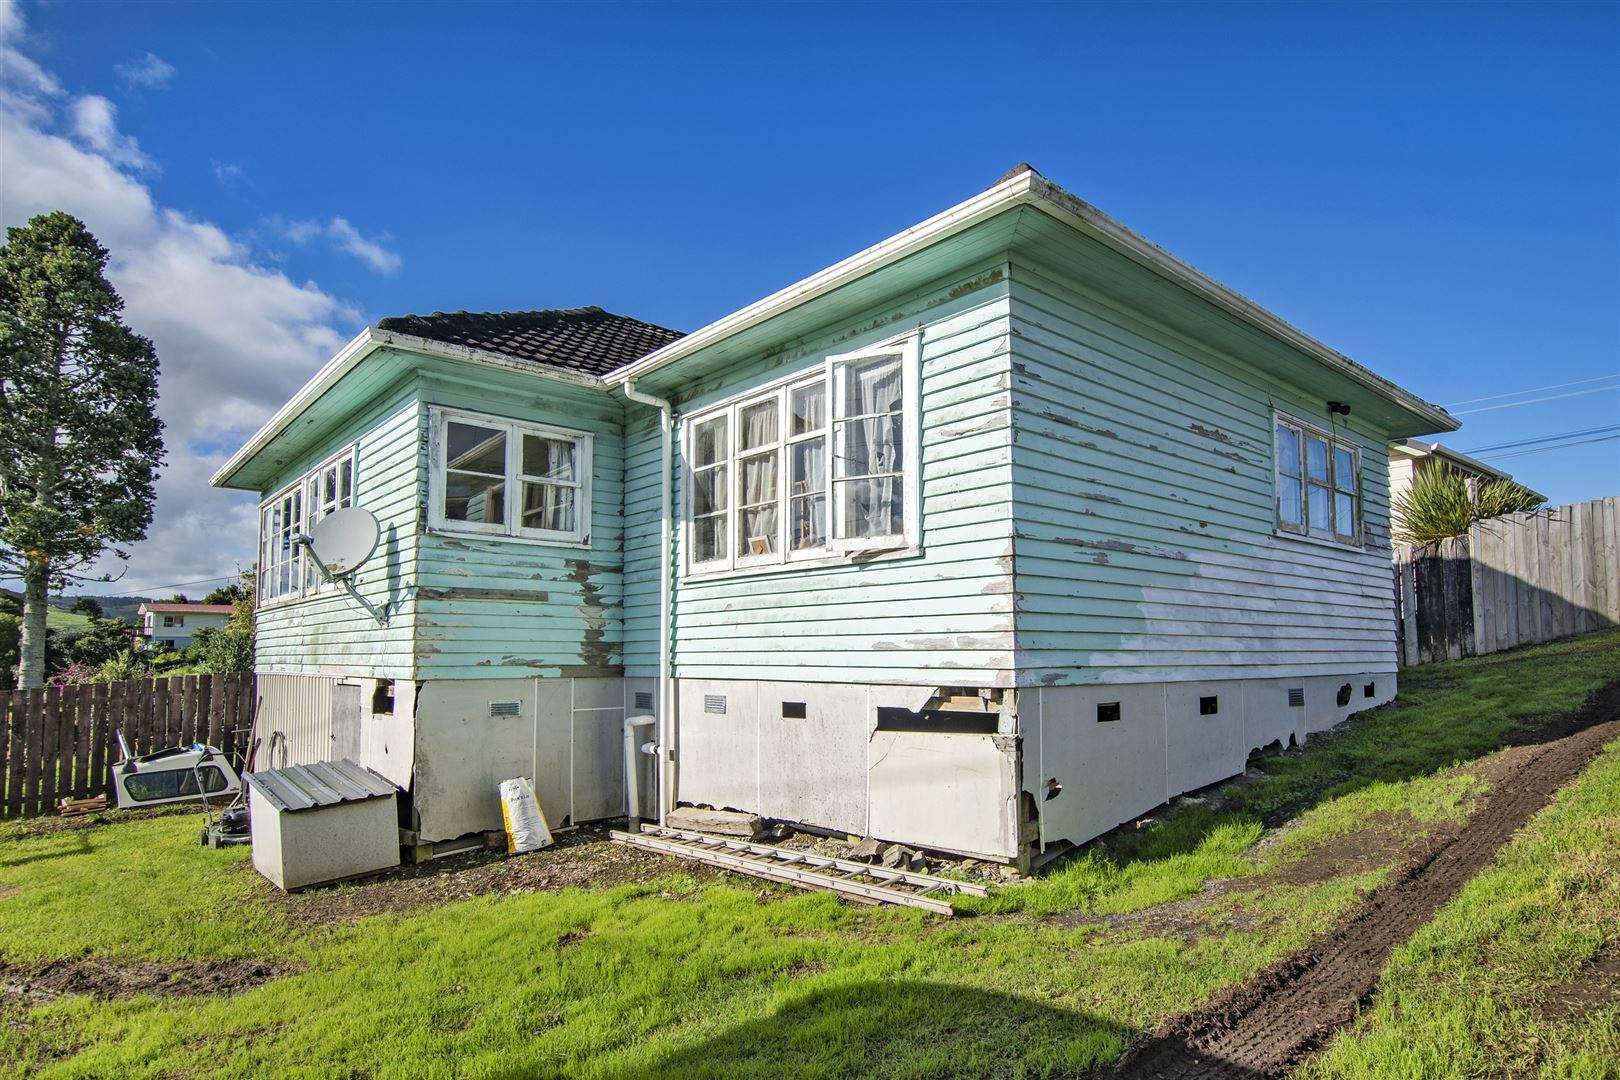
857 880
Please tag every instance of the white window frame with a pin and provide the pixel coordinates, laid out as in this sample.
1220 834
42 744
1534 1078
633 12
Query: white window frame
1306 528
511 529
829 373
309 512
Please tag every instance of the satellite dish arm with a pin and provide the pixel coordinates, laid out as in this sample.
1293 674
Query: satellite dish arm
382 614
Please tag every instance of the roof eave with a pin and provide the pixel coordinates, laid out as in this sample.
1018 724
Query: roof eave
349 357
1031 189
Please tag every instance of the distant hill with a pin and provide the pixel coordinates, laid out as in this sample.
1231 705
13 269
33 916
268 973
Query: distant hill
60 618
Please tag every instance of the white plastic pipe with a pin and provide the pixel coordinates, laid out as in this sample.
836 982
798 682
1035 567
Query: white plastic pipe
632 783
666 682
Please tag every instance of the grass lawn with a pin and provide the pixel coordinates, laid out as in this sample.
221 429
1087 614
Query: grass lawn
673 976
57 619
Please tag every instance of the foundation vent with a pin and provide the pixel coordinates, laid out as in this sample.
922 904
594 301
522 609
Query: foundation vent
644 699
714 703
505 708
1296 698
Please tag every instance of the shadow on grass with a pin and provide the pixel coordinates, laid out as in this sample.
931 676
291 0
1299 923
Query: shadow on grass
910 1029
69 844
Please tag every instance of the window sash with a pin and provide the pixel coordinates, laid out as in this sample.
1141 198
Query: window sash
516 481
1317 495
800 508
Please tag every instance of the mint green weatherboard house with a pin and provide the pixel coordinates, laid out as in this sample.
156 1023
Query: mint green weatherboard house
992 536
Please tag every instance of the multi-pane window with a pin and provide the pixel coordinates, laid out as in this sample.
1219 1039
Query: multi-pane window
285 570
281 559
1317 483
509 478
809 468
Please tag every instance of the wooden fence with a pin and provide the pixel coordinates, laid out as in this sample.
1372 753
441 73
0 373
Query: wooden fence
1513 580
58 743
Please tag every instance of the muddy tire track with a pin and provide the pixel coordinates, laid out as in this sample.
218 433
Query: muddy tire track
1264 1026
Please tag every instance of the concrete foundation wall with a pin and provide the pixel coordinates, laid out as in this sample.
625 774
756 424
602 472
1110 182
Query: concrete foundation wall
1108 772
564 735
450 743
833 769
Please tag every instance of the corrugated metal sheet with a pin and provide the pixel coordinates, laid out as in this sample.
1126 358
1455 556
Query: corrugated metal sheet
293 724
325 783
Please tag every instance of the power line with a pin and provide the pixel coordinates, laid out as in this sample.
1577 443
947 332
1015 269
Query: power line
1540 439
1539 400
1532 390
164 588
1560 446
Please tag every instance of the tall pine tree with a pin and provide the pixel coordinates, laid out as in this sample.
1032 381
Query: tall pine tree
80 438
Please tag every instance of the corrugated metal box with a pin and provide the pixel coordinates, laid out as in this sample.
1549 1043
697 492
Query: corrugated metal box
322 822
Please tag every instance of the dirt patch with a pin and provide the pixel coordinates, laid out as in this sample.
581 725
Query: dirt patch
1264 1026
1596 987
104 978
582 857
50 824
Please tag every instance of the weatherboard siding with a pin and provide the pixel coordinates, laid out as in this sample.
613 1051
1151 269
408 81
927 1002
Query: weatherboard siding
489 608
330 634
941 617
1142 492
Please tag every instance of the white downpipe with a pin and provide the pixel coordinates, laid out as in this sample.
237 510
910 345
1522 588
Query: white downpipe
666 682
632 770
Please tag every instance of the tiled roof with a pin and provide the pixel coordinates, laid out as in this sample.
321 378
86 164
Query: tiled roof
191 609
587 340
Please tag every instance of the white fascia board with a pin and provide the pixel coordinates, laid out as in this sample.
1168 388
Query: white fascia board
986 204
1088 219
349 357
1416 448
1031 189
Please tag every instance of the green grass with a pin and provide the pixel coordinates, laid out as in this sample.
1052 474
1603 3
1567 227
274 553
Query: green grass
1388 762
672 978
1467 995
57 619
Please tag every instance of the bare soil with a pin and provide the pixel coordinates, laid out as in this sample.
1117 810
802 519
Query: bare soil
1264 1026
583 857
1596 987
101 977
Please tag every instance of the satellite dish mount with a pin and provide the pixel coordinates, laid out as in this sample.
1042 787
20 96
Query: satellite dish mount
339 544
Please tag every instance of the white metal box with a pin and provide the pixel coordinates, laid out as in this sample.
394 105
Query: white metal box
322 822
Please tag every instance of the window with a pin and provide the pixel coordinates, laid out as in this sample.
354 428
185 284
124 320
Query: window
168 620
508 478
810 468
284 570
1317 483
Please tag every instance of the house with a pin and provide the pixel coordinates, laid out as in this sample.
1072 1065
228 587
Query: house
994 535
1410 458
173 626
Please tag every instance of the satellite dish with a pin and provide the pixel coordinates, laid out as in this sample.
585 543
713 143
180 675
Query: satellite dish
344 539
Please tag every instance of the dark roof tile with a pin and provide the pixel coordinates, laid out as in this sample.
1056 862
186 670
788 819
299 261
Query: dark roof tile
587 340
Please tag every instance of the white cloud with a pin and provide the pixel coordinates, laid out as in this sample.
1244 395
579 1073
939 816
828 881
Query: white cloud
230 174
235 338
150 72
345 238
95 122
22 82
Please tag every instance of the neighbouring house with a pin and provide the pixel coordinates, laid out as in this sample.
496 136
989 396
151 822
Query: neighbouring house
994 535
1410 458
174 626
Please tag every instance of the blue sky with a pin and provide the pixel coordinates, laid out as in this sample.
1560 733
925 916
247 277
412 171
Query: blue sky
1430 189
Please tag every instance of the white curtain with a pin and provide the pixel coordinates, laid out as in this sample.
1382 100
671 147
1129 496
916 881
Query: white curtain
872 446
758 486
